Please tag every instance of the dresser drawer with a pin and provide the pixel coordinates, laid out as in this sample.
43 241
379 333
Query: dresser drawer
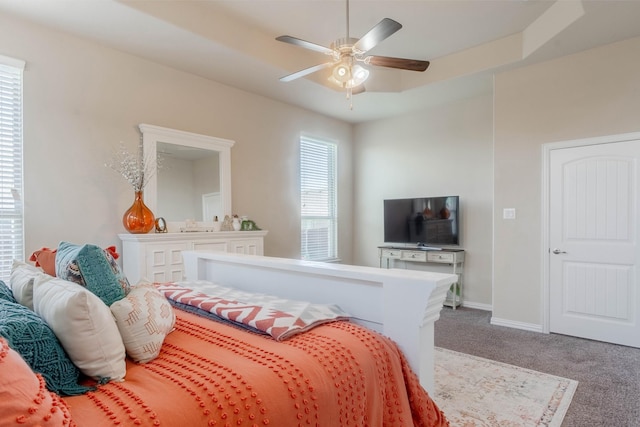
391 253
437 256
414 256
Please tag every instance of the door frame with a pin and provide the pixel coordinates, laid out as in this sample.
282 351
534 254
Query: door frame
547 148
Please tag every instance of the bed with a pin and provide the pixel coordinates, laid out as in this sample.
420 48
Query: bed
401 304
372 370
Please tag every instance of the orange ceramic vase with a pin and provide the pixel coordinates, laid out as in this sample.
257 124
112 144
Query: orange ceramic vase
138 219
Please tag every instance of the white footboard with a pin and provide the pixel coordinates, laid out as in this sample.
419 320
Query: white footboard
402 304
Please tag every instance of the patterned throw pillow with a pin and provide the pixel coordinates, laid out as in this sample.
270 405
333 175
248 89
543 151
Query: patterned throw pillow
84 325
23 398
45 258
30 336
93 268
6 294
144 318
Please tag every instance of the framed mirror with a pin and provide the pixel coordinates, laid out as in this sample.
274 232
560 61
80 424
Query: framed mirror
194 180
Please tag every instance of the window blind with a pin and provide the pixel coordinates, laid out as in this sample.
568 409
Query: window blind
11 205
318 195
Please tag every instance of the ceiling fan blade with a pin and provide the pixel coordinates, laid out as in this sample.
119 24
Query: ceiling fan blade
305 72
401 63
305 44
379 32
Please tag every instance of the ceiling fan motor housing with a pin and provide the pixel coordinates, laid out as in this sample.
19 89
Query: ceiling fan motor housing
344 45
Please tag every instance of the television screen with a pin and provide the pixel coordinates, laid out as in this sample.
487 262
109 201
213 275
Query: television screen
424 221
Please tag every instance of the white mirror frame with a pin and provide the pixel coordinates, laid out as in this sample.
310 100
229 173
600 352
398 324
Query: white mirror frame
151 135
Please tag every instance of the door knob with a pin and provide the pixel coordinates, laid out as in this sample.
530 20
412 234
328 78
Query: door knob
558 251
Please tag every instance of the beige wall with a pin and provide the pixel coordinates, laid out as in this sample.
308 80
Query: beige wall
81 99
440 151
593 93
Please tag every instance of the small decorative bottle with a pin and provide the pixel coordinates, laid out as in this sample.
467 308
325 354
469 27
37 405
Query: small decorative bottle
217 225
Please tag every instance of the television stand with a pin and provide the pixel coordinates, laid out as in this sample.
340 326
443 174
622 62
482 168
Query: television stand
453 257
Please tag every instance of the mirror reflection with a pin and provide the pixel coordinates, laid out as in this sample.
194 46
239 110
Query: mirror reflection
188 183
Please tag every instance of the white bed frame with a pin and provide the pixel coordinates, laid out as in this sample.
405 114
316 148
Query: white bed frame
402 304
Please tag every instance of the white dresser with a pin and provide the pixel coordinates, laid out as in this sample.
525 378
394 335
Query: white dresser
158 256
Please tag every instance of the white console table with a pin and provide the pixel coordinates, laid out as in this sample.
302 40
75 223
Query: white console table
158 256
452 257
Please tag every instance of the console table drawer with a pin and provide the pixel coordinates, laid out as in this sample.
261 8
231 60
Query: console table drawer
414 256
440 257
391 253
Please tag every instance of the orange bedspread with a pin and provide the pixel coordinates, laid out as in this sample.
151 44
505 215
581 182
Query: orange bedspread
211 374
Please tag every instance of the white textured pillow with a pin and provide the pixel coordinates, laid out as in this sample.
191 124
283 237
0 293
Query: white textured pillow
84 325
144 318
21 282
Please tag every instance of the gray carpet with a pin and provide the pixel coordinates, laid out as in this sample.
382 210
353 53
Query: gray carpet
608 392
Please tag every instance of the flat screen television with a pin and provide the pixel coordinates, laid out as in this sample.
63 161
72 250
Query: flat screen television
423 221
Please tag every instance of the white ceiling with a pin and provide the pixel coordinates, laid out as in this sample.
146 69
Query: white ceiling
233 41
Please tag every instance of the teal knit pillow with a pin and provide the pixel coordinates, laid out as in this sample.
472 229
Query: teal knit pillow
30 336
6 293
93 268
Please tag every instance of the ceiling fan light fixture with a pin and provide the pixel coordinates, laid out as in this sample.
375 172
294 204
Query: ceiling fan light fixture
360 75
341 73
347 76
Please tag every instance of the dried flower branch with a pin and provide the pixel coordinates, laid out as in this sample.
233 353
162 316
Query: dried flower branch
137 169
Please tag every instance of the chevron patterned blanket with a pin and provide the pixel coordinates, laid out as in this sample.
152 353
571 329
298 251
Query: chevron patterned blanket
278 317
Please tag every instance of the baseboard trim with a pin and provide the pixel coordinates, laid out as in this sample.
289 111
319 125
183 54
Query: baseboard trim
516 325
477 305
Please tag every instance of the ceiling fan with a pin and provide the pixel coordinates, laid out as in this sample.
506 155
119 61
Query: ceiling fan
348 53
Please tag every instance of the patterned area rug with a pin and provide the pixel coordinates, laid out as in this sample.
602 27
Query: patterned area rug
477 392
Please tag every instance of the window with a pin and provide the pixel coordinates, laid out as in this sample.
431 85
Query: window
318 195
11 208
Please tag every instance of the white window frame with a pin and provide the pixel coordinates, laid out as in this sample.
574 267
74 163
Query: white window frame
318 199
11 164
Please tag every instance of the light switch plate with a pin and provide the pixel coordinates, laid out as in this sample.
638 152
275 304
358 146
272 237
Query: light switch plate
509 213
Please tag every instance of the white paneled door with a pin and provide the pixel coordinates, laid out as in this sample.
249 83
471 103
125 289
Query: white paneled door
593 242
